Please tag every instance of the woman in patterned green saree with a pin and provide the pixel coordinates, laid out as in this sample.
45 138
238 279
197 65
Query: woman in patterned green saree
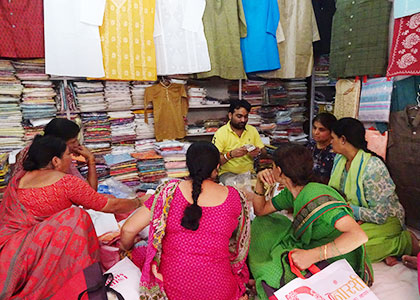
364 179
322 228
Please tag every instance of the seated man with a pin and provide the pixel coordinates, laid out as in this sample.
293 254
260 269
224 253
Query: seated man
238 143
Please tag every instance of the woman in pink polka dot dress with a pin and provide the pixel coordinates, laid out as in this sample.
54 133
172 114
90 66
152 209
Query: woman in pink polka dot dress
197 248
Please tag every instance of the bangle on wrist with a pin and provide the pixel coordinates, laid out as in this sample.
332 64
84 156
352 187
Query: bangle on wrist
226 157
259 194
325 251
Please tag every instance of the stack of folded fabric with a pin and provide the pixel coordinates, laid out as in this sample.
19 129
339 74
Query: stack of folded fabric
123 168
196 96
137 92
89 96
97 132
297 95
173 153
254 117
123 132
150 165
38 93
275 93
322 70
118 95
11 131
252 91
144 130
4 172
102 169
34 127
145 145
66 98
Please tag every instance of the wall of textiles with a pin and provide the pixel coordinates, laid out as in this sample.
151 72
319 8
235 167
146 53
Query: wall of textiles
370 71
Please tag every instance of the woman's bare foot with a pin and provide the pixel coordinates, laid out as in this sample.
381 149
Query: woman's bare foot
410 261
391 261
244 297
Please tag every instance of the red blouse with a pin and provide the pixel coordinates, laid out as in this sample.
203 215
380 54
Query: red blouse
69 190
21 28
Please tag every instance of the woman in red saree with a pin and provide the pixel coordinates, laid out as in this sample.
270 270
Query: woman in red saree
44 241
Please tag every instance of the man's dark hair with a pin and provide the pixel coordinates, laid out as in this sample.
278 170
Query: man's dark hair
237 104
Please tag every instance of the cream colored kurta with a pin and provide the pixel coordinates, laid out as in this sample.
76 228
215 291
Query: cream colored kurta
298 21
127 40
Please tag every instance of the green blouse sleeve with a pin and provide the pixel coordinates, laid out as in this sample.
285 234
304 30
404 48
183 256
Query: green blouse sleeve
283 200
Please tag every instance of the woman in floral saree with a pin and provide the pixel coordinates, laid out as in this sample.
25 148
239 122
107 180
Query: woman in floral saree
322 226
198 237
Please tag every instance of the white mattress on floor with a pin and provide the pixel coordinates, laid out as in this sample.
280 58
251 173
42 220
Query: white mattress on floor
395 283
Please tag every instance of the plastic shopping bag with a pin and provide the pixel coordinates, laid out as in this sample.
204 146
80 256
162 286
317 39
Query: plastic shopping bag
338 281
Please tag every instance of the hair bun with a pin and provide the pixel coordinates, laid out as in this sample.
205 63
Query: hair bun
29 164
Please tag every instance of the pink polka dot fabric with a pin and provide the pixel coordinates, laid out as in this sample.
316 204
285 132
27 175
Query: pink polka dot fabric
196 264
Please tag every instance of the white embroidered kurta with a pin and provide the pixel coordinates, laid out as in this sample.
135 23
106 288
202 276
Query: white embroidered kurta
72 41
181 46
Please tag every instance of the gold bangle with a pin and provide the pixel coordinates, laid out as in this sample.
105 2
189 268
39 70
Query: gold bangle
325 251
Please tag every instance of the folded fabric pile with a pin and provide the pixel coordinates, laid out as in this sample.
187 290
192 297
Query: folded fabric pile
145 145
38 92
322 66
90 96
275 94
150 165
196 96
296 93
66 97
254 117
4 172
97 132
118 95
102 169
123 168
11 130
123 132
252 91
34 127
144 130
137 92
173 153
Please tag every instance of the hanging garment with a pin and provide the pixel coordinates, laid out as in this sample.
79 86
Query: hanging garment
224 25
405 53
359 41
259 47
405 93
403 8
181 47
375 100
347 98
72 41
127 40
403 160
324 11
170 107
21 29
298 21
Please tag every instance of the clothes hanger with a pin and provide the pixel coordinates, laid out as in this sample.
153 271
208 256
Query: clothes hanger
165 81
416 107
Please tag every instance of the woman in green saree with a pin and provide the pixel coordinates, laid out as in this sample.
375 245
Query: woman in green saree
322 228
364 179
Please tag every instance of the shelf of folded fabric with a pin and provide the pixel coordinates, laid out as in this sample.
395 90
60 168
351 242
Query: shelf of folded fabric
209 106
331 84
200 134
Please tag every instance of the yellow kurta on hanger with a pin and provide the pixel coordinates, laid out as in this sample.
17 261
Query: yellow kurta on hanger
127 40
